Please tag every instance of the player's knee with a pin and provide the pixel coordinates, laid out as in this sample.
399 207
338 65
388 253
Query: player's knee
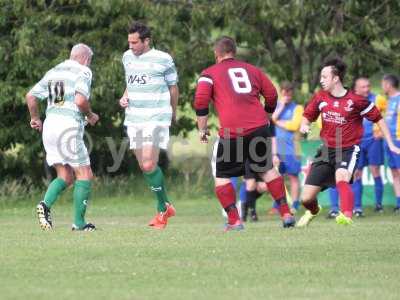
148 166
357 174
261 187
375 171
69 180
395 174
294 178
270 175
308 196
307 199
250 186
84 173
342 175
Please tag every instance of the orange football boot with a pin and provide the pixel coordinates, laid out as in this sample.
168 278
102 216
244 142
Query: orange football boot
161 219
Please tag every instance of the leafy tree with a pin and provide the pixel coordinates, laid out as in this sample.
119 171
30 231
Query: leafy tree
289 39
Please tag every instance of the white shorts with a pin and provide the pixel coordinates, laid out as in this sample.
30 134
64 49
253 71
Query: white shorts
158 136
63 141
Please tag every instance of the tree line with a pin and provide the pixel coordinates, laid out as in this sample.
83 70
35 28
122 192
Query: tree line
288 39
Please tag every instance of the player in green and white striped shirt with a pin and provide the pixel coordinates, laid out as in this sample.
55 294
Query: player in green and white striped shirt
67 90
150 101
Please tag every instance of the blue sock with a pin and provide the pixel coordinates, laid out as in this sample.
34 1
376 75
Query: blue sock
378 190
334 198
234 181
357 190
242 192
275 205
296 204
398 201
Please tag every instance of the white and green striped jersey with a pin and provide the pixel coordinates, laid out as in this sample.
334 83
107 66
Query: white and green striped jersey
148 78
59 86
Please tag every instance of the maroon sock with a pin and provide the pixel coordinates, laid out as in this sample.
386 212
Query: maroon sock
227 197
346 198
312 206
277 189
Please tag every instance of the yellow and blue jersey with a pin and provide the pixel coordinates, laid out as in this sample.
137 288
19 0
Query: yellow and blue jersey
369 127
285 137
392 117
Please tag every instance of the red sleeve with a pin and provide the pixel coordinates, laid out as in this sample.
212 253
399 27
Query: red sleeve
269 93
368 110
203 94
312 110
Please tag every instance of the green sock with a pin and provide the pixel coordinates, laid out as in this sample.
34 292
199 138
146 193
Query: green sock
155 180
55 188
82 189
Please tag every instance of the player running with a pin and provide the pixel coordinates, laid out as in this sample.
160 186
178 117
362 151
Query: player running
342 114
67 90
234 87
150 101
390 86
371 154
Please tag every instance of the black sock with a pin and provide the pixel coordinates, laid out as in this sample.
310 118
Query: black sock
251 198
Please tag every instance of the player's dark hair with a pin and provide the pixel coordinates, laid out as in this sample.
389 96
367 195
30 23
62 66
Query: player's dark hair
143 31
338 67
392 79
287 86
225 45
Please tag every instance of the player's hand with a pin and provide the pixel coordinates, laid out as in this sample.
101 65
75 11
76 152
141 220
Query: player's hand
124 102
92 118
204 134
394 149
36 124
304 128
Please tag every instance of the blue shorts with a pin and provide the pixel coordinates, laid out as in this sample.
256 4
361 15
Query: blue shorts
290 164
371 153
392 158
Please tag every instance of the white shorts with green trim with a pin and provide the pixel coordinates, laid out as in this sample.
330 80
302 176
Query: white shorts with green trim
63 141
158 136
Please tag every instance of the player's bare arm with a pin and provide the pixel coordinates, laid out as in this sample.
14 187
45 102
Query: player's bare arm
386 134
174 92
124 101
275 158
203 129
277 112
35 122
84 106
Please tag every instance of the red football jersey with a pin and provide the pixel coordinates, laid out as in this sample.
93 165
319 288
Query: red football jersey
341 117
235 87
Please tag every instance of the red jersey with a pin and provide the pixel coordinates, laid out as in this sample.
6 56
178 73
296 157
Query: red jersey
235 87
341 118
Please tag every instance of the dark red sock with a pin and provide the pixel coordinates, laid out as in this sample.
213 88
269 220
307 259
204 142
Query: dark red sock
312 206
277 189
227 197
346 198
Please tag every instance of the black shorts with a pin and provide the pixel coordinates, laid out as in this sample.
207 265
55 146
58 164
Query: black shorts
327 161
249 174
231 157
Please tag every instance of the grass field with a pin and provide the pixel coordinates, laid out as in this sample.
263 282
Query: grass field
192 258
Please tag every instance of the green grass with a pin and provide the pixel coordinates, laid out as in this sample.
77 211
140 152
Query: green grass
192 258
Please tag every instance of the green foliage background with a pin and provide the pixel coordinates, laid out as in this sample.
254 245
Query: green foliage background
289 39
